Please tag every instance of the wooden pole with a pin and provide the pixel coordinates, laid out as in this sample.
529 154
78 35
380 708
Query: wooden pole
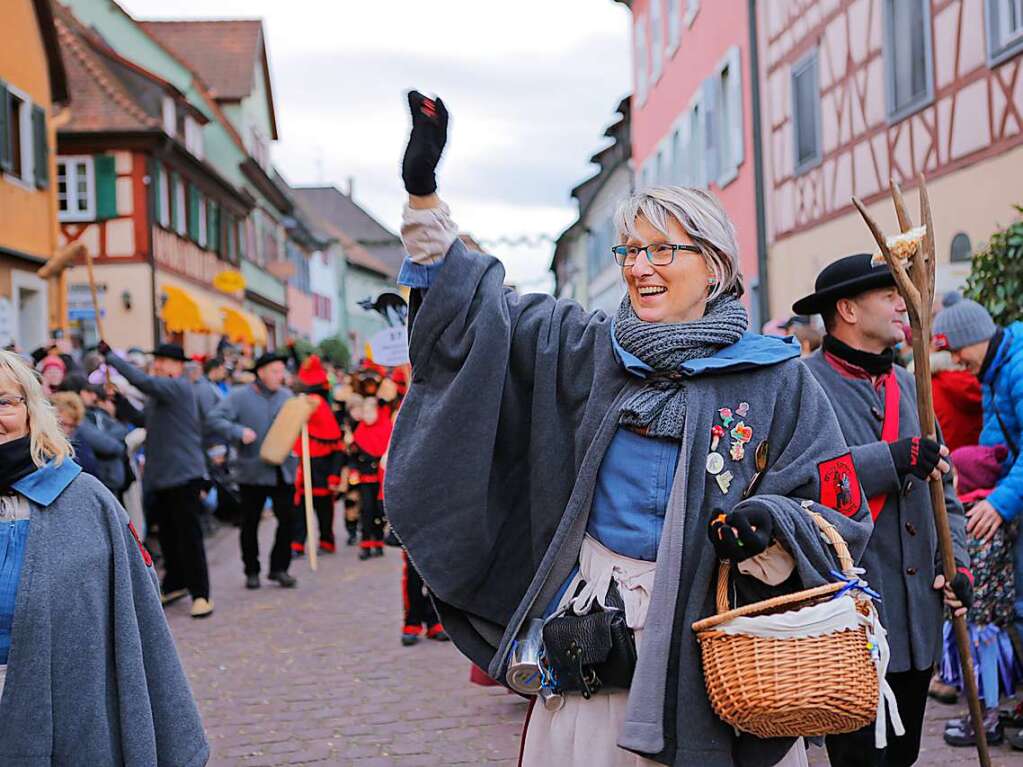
307 488
916 285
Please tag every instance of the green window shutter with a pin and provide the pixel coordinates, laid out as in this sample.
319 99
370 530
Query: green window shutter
106 186
5 128
229 251
213 227
40 147
193 213
172 192
154 191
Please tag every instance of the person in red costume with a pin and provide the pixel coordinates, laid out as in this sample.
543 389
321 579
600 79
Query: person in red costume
369 443
326 459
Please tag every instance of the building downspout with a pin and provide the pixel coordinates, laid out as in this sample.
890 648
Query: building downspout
758 168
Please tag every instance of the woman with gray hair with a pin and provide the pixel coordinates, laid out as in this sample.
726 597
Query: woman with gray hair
579 476
88 669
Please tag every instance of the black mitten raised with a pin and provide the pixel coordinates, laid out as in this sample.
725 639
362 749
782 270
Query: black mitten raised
918 456
962 586
425 144
741 534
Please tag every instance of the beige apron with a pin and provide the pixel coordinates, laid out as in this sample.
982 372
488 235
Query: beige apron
584 733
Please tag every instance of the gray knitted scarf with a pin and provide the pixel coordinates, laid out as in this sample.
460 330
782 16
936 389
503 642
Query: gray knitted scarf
660 406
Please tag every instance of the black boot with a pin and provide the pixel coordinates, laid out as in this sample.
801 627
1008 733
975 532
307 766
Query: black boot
365 553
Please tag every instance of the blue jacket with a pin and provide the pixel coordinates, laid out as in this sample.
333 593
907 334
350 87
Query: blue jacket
1003 393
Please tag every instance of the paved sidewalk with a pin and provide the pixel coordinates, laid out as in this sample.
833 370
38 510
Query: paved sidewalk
317 676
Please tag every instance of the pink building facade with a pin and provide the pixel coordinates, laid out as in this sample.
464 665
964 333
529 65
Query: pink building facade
692 115
857 91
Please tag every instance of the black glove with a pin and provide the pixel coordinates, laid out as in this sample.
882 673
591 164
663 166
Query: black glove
425 144
103 348
918 456
749 542
962 586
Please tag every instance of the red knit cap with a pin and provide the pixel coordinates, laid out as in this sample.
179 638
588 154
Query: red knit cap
312 372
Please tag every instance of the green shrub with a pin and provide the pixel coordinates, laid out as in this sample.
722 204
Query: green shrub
996 274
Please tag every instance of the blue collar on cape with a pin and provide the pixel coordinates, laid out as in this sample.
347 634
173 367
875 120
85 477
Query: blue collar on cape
43 485
750 351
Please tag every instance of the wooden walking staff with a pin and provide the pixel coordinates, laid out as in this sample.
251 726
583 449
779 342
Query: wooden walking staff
915 281
307 487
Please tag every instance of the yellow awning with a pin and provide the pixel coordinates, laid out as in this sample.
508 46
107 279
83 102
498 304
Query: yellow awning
190 312
243 327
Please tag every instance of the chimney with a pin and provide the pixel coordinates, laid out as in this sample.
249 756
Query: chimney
351 187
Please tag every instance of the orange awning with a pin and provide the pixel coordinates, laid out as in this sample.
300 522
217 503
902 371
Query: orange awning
185 312
243 327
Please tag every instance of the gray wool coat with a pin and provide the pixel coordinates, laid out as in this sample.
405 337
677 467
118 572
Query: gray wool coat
493 463
251 406
174 454
902 557
93 677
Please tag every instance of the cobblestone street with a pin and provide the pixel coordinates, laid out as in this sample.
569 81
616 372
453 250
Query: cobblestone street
317 676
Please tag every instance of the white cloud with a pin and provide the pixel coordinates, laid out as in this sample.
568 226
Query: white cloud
530 85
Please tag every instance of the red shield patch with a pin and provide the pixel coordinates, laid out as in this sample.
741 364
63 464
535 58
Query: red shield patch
840 487
145 554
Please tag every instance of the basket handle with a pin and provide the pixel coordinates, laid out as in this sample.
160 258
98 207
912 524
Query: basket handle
827 529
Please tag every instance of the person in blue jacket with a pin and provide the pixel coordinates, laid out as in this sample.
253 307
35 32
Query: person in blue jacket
995 356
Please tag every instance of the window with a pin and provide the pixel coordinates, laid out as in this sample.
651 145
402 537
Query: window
203 223
163 203
24 141
674 25
656 40
962 249
692 8
641 61
696 154
76 197
907 56
806 113
170 116
180 225
193 137
1004 29
730 124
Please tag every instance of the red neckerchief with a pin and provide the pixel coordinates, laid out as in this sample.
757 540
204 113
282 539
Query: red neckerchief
892 398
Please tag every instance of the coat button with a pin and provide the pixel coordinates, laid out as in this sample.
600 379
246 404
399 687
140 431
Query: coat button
910 571
911 528
907 488
876 412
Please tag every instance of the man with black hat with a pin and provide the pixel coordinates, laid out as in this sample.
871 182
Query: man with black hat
876 405
244 416
175 471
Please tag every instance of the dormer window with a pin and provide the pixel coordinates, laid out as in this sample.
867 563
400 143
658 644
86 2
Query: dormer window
170 116
193 137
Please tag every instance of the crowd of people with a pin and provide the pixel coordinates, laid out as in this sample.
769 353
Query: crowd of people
179 442
581 483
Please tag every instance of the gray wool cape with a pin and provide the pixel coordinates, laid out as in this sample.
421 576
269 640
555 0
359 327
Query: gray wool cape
902 557
93 677
513 403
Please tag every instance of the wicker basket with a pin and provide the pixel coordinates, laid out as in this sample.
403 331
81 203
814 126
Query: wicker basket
775 688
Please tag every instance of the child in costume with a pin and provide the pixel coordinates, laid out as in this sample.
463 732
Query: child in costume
326 459
990 619
370 439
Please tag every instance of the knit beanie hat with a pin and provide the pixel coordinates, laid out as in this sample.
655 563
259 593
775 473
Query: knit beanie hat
963 324
979 467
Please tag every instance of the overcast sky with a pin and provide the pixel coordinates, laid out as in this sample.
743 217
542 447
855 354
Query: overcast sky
530 85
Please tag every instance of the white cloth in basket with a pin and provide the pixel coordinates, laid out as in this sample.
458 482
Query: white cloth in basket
838 614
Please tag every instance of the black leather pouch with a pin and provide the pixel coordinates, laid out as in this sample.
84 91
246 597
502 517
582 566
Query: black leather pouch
587 653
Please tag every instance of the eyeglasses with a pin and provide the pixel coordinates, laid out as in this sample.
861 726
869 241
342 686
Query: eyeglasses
661 254
8 403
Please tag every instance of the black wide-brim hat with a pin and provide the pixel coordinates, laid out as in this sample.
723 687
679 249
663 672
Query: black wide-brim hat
170 352
267 358
845 278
